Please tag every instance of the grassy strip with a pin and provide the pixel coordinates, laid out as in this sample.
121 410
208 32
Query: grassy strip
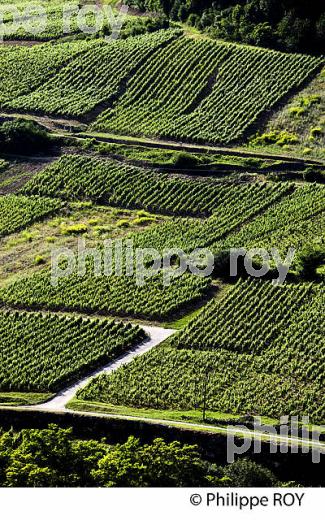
23 398
186 416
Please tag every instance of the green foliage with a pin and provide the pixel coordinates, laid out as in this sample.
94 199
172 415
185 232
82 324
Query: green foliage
24 69
246 473
316 132
75 229
157 464
280 138
204 102
91 78
39 260
256 319
3 165
257 351
292 26
114 183
55 457
308 261
18 211
291 223
111 294
46 352
26 136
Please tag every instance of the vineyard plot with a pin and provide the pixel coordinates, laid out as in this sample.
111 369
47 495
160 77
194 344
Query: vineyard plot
24 69
92 78
113 294
114 183
46 352
279 372
205 91
18 211
293 222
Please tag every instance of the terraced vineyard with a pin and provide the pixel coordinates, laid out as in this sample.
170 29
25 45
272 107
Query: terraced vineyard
239 376
24 69
111 182
296 220
108 294
204 91
45 352
17 211
94 77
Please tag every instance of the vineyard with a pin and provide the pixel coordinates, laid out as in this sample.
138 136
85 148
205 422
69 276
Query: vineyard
259 312
161 84
94 77
45 352
294 221
108 294
18 211
54 27
222 343
111 182
279 372
24 69
204 91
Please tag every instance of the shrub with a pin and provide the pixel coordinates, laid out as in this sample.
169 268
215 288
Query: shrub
123 223
315 133
274 137
26 136
39 260
75 229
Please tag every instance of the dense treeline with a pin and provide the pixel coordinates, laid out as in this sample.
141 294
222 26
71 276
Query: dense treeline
290 25
54 457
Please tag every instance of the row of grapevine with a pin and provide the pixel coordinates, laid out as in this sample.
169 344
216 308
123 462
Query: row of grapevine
112 182
93 77
247 319
295 221
24 69
279 372
167 85
118 295
170 379
18 211
55 21
45 352
205 91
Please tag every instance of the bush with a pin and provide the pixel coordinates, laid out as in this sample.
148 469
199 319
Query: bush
184 159
282 138
246 473
315 133
24 136
123 223
75 229
309 260
39 260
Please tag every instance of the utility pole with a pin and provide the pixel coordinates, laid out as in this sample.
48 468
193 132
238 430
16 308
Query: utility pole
205 391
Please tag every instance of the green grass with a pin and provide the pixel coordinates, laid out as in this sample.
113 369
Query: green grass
186 416
23 398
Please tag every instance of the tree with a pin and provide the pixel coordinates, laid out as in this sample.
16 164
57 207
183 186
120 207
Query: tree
246 473
158 464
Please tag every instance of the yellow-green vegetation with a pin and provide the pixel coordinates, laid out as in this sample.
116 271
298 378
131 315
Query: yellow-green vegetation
304 119
25 252
22 398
